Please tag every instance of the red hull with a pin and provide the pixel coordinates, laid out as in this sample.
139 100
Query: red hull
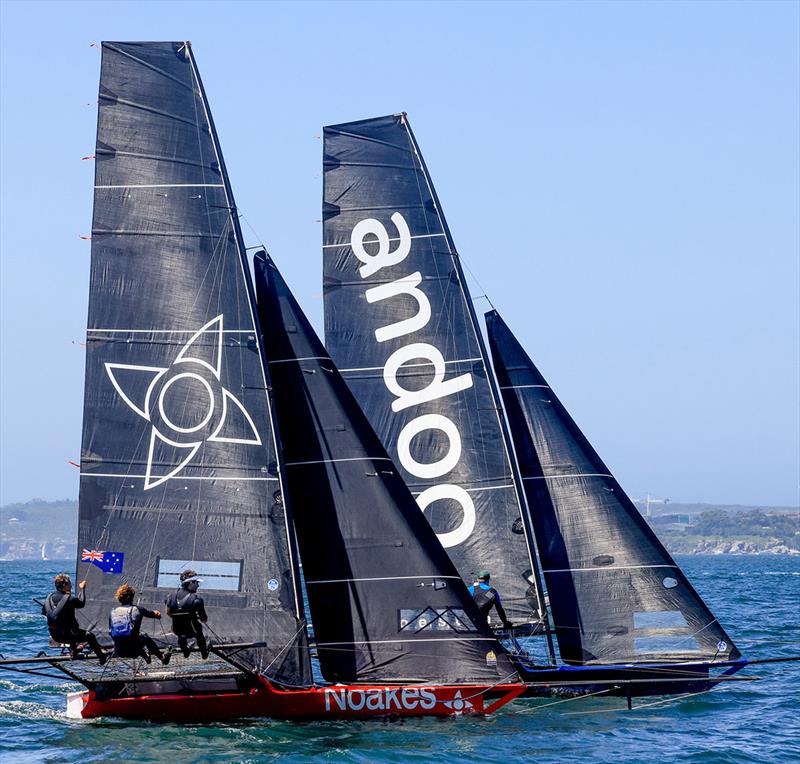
334 702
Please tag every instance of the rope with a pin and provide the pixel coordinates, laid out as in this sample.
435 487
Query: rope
284 648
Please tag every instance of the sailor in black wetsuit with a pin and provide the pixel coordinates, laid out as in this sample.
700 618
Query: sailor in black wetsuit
124 624
188 614
487 597
60 607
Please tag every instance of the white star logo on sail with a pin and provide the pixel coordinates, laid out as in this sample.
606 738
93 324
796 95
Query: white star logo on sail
196 359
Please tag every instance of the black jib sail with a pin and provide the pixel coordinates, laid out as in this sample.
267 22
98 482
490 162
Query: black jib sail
386 601
616 594
178 464
400 325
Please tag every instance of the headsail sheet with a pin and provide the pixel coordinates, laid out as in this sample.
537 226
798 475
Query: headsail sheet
615 592
387 604
178 463
400 326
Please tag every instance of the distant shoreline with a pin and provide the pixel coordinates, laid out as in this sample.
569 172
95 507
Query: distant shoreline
27 529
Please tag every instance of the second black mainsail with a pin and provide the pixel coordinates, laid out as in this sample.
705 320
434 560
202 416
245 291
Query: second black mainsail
387 603
400 325
179 467
616 594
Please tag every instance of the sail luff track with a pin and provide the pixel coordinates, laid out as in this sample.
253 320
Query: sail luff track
251 300
508 446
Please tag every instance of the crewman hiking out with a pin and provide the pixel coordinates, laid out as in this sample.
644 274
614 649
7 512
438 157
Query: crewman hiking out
124 625
60 607
486 597
188 613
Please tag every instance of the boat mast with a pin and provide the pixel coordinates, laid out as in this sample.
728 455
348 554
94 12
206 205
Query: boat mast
515 473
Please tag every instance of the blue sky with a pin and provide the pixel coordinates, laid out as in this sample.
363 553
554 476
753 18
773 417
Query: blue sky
621 178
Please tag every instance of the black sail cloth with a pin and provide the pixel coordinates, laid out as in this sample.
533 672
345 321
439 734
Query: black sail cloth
616 594
399 325
386 602
178 463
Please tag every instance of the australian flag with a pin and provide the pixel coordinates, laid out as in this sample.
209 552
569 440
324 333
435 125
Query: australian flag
108 562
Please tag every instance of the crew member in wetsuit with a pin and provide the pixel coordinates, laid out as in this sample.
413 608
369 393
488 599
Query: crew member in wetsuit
124 624
60 607
486 597
188 614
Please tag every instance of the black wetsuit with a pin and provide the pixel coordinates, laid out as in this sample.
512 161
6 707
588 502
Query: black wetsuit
188 613
62 624
487 597
124 625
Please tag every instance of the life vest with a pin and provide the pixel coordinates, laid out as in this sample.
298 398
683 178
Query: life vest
121 621
484 598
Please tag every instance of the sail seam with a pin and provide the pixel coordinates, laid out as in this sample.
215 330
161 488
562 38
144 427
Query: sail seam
605 567
408 365
391 238
568 475
383 207
517 387
181 477
384 578
169 331
305 358
348 459
166 185
473 490
179 234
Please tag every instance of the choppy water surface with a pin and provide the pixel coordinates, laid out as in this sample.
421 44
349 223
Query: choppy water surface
756 598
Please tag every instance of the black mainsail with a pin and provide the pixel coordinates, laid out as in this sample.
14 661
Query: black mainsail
387 603
179 467
400 325
615 592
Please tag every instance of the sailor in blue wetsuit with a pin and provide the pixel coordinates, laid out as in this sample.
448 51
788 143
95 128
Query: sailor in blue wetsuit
486 597
124 624
188 613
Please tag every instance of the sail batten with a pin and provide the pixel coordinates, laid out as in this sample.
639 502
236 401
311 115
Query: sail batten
616 594
179 463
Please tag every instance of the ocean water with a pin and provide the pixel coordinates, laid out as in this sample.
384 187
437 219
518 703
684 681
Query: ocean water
756 598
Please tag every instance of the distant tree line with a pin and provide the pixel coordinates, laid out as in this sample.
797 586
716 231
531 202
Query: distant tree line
716 523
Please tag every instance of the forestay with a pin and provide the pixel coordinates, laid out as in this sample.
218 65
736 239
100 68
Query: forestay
178 463
387 603
400 325
615 592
